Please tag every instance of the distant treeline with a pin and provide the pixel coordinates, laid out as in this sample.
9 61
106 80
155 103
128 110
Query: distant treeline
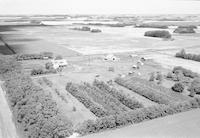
144 25
44 55
183 54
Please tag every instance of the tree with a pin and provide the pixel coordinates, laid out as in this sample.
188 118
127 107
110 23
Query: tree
49 66
178 87
159 77
195 86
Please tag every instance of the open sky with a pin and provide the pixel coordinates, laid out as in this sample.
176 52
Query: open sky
99 6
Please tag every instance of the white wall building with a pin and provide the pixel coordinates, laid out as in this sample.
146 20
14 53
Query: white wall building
59 63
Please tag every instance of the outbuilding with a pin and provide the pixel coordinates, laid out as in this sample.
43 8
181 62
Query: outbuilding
59 63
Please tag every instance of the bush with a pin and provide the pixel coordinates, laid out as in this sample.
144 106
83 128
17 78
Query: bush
39 71
135 116
178 87
195 86
158 33
33 110
184 55
96 31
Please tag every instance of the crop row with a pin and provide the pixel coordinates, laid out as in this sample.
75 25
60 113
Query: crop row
161 89
110 103
86 100
144 90
132 103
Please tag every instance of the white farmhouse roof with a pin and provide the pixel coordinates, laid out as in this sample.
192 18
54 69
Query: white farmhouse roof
59 63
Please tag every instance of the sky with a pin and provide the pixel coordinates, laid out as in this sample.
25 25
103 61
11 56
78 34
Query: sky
99 6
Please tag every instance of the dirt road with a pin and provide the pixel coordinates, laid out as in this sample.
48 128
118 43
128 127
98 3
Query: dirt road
7 127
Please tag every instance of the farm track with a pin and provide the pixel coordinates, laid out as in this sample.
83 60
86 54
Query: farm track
7 125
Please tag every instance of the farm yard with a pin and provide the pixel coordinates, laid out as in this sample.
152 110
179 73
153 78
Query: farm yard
120 79
96 93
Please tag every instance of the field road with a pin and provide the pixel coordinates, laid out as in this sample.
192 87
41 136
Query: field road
7 127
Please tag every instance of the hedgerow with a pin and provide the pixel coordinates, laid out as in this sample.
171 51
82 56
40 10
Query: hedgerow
135 116
143 25
110 103
41 71
87 102
40 56
33 109
186 72
184 55
132 103
163 90
145 90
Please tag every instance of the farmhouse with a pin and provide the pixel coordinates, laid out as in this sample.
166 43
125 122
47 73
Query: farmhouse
59 63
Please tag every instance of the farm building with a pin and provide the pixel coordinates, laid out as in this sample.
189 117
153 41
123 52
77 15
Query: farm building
111 57
59 63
